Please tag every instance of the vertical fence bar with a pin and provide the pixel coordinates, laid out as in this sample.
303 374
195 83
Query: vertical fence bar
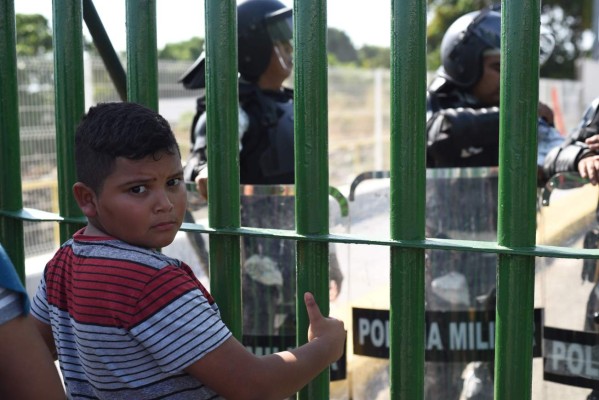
311 167
517 189
11 198
69 101
408 109
223 159
142 54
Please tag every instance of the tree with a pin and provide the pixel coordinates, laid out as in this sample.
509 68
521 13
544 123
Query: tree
340 46
34 36
187 50
374 57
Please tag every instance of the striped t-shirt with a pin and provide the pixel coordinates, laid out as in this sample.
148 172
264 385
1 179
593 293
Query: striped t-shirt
126 321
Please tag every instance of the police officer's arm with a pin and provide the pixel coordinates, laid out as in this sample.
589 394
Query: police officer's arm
451 130
592 142
575 155
588 167
580 152
235 373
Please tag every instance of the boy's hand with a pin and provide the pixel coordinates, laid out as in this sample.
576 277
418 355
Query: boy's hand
330 330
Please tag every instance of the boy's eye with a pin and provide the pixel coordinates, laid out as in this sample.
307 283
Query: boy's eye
138 189
174 182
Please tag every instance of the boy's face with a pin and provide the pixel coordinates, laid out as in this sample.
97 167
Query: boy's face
142 202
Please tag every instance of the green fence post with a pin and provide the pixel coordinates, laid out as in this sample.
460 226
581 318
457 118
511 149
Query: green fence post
408 175
311 168
69 102
11 199
517 193
142 55
223 158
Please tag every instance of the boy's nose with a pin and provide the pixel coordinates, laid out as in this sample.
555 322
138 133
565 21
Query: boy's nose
163 202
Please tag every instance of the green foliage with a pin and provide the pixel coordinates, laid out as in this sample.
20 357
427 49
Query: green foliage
187 50
341 52
340 46
34 36
374 57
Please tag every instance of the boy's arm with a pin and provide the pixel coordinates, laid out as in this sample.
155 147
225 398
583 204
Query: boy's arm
235 373
28 371
45 331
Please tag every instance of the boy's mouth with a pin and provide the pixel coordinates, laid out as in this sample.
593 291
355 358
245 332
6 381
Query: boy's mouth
167 225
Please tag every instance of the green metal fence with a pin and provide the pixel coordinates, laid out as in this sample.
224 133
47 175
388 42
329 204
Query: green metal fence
516 229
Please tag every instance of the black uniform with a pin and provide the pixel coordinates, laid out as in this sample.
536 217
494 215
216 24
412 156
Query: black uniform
266 156
460 131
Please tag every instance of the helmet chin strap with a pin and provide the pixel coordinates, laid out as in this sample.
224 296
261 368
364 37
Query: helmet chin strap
282 61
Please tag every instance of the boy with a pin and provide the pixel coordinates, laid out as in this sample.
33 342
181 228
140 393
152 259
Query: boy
129 322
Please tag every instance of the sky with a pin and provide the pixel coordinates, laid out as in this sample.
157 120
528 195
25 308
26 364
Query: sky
178 20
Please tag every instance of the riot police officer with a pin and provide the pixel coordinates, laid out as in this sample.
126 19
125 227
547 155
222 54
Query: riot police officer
266 107
463 98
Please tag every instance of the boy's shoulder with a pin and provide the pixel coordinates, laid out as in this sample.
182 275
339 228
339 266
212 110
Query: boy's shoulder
115 251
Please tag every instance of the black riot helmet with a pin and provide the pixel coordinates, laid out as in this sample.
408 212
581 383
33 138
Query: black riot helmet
466 41
261 26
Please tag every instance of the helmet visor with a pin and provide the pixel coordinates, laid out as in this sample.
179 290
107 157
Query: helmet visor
280 25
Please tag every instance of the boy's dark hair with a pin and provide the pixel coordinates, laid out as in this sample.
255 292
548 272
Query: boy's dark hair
111 130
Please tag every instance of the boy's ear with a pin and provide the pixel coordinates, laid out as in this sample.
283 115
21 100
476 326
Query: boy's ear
86 199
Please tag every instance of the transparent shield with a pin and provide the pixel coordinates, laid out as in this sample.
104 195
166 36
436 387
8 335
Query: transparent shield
459 292
269 275
568 217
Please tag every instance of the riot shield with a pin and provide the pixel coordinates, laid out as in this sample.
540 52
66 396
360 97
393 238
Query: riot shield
568 217
459 292
268 265
268 270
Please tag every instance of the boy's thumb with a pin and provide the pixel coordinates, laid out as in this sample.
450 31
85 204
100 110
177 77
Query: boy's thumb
311 306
